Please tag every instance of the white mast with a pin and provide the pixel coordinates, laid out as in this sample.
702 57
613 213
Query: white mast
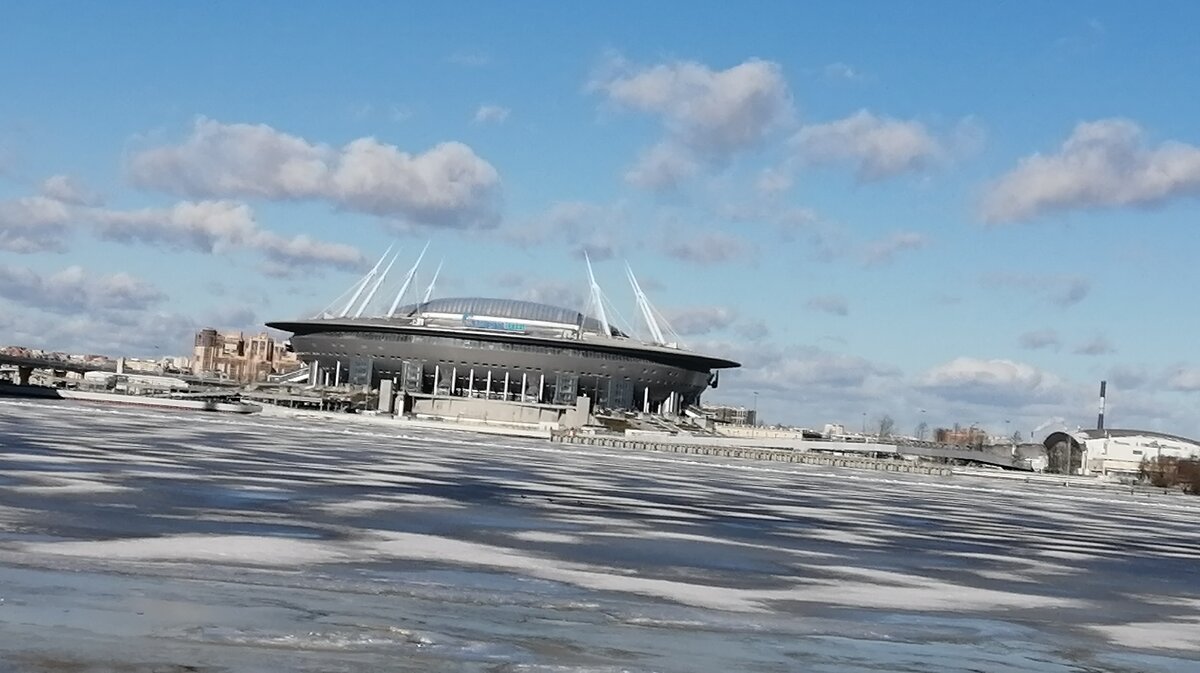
407 280
362 285
429 290
647 312
378 282
597 298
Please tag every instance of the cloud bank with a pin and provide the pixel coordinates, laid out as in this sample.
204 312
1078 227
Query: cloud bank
1102 164
447 185
708 115
876 147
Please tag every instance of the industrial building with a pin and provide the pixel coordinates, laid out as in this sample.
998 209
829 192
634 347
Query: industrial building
1113 451
501 349
1121 452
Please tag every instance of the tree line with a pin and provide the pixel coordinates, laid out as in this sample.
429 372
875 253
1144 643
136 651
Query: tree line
1168 472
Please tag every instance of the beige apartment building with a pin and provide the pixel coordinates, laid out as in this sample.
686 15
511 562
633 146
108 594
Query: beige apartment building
236 357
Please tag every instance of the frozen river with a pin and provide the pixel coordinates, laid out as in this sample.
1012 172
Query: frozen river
143 541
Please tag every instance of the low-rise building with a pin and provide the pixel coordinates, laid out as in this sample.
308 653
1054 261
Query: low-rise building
971 436
729 415
233 356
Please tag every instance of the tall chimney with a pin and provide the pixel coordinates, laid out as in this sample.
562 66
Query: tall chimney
1103 390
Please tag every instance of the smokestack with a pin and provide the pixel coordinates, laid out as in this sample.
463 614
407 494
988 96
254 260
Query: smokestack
1103 392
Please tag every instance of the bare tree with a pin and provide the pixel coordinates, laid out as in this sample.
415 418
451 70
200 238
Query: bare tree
922 430
886 426
1016 437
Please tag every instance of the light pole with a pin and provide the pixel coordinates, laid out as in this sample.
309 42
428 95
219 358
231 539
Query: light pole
864 427
756 408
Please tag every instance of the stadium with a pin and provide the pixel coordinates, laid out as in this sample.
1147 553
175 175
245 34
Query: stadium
501 349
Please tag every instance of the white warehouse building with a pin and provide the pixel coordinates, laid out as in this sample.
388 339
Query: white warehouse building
1122 451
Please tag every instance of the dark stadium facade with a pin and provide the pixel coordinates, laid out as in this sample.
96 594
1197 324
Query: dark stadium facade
503 349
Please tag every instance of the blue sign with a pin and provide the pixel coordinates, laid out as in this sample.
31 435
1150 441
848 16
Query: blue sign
496 325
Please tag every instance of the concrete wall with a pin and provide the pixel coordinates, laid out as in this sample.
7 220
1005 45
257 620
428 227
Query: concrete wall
754 432
500 412
792 442
774 455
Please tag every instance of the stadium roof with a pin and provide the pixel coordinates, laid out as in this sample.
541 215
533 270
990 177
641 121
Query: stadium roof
512 309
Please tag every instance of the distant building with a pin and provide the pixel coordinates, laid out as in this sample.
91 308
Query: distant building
140 366
1121 452
729 415
233 356
971 436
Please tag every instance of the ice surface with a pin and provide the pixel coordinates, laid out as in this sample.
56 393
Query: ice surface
142 540
232 549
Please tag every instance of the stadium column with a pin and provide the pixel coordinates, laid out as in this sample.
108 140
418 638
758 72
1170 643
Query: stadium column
541 388
505 396
523 389
453 378
337 374
313 370
488 394
437 371
646 400
471 383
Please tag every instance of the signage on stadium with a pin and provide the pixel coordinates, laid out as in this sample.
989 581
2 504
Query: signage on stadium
497 325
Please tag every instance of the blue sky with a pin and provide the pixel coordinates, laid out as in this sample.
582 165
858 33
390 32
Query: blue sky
975 209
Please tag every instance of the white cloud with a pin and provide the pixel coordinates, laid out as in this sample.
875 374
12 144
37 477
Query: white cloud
843 71
448 185
68 190
714 112
491 114
584 227
711 247
831 304
234 317
1097 346
1000 382
826 239
544 290
1038 339
218 227
73 290
399 113
878 147
1061 291
708 115
1184 379
698 320
1102 164
34 224
885 250
773 181
131 333
663 167
243 160
754 330
806 372
803 383
302 249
